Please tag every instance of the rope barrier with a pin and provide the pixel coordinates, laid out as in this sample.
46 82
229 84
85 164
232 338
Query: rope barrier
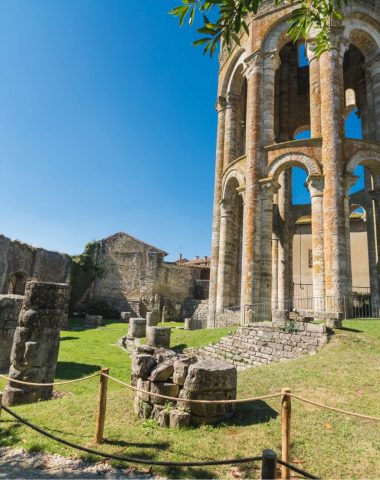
50 384
297 470
165 397
141 461
333 409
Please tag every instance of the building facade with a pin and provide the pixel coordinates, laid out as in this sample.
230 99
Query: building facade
267 95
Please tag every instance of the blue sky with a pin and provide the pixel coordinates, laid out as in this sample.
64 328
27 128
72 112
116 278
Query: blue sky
107 124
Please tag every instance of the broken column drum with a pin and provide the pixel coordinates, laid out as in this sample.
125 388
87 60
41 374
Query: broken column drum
137 328
158 336
36 342
10 306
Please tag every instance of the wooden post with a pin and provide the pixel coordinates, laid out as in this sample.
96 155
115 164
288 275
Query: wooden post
102 405
269 465
286 413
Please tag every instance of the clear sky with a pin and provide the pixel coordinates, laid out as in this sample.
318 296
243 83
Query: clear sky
107 124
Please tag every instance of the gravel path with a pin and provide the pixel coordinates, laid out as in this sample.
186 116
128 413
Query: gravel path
16 463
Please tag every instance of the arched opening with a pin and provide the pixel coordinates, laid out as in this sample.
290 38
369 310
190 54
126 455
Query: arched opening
16 283
231 241
292 92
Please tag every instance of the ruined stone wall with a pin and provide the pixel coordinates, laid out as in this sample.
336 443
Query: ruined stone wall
20 262
265 343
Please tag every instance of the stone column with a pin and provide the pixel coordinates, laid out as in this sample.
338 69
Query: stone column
350 181
221 108
226 223
375 197
275 242
10 306
271 64
284 103
315 91
332 108
284 247
230 141
252 224
36 342
268 189
373 69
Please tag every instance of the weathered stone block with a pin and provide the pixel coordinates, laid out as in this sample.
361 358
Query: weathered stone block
143 385
10 307
142 365
163 388
162 372
158 337
179 419
188 324
137 328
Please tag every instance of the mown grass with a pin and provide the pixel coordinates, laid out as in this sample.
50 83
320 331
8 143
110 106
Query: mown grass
345 374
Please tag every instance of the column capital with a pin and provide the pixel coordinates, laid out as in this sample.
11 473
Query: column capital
269 186
221 104
316 185
253 64
232 100
374 194
225 209
272 60
349 181
241 192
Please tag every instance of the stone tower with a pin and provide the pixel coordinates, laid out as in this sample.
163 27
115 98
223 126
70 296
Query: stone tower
266 96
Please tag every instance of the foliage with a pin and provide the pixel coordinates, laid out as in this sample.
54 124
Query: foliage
231 18
290 326
86 260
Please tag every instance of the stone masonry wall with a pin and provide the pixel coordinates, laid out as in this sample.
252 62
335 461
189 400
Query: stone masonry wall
264 343
20 262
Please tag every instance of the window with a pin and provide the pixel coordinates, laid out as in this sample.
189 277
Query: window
310 259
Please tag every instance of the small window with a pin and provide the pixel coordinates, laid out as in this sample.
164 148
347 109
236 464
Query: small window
310 258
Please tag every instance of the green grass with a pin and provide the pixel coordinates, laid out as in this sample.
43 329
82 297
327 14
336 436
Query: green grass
345 374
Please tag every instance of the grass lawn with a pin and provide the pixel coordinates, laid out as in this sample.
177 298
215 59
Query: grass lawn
344 374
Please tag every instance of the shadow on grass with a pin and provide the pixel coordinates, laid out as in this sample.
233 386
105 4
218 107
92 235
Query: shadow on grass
122 443
9 433
63 339
180 347
354 330
72 370
253 413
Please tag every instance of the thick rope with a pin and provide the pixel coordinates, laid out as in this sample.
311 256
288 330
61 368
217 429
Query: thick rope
297 470
12 380
338 410
141 461
175 399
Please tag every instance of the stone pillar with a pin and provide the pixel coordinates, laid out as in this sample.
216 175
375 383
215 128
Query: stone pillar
226 223
36 342
158 337
315 91
221 106
275 242
284 103
268 189
373 68
271 64
230 140
285 244
375 197
316 185
10 306
332 108
252 224
350 181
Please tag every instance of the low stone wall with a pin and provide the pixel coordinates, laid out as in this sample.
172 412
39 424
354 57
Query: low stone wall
163 372
265 343
10 307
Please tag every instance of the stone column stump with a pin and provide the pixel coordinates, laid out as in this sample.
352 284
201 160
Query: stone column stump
188 324
137 328
210 380
158 337
10 306
36 342
152 319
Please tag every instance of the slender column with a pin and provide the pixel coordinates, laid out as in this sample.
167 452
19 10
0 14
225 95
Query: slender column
316 185
284 102
221 106
350 181
268 189
315 91
252 226
373 68
226 223
271 64
284 248
372 254
230 142
275 246
375 197
332 108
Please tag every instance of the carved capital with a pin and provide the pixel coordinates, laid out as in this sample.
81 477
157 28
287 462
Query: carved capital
233 100
316 185
349 181
269 187
225 209
253 64
272 60
221 104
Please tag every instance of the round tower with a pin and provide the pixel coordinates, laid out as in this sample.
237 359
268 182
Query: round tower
271 90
